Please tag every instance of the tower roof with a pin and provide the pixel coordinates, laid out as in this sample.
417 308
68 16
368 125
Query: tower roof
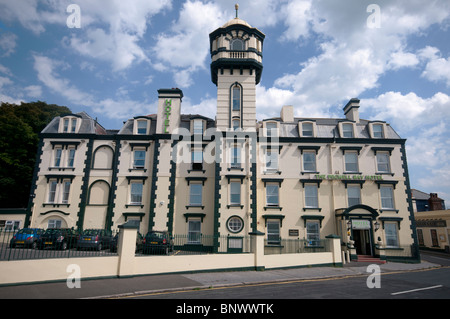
236 21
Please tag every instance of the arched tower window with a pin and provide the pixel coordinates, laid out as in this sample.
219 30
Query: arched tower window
236 98
237 45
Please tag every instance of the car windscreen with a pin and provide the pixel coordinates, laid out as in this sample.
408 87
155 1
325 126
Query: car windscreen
155 235
91 232
26 231
51 231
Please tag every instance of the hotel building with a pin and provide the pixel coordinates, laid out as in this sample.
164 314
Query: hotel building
282 177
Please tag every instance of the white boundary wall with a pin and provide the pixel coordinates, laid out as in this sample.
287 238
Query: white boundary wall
126 264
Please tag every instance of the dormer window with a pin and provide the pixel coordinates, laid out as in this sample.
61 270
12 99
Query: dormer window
377 130
141 125
347 130
69 124
271 129
197 127
307 128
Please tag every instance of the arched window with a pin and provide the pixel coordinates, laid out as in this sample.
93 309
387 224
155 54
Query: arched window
236 92
237 45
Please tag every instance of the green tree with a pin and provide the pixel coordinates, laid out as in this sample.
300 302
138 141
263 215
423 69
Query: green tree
20 126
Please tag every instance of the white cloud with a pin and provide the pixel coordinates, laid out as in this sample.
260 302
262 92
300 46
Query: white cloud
33 91
120 108
8 43
186 46
437 69
401 59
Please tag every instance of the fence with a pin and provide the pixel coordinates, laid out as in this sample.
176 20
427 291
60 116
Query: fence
180 244
56 243
296 246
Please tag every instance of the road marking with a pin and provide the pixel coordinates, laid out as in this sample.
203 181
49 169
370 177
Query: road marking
414 290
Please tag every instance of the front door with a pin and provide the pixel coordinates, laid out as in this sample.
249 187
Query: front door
362 241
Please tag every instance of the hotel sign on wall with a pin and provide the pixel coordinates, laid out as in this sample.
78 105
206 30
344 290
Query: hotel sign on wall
167 110
350 177
360 224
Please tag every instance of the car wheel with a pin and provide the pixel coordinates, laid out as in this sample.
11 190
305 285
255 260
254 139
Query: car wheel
64 246
33 245
99 247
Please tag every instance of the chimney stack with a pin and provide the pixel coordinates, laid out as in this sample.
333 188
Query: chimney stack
351 110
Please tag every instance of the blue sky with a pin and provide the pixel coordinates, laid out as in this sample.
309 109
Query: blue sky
394 56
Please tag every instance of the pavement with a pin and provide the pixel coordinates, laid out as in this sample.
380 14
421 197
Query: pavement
126 287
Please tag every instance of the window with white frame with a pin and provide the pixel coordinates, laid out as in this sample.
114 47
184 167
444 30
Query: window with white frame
273 232
71 157
54 223
391 233
311 196
198 127
59 191
64 157
195 194
387 197
351 162
235 157
136 190
66 192
141 127
354 195
313 233
68 125
271 129
235 193
58 155
235 224
272 194
52 192
139 159
65 125
383 162
377 130
194 231
12 225
73 127
309 161
271 159
307 129
347 130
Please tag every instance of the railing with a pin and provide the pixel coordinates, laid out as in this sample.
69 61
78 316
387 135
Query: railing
296 246
197 244
17 247
238 54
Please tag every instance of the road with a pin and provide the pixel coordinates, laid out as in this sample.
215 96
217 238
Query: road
423 284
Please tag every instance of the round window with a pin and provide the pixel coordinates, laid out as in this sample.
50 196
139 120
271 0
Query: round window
235 224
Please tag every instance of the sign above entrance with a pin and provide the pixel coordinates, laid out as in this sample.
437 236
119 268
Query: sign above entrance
360 224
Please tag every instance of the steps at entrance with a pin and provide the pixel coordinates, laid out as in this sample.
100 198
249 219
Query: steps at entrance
370 259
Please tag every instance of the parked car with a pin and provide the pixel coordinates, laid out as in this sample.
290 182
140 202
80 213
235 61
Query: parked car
95 239
139 241
58 238
157 241
26 237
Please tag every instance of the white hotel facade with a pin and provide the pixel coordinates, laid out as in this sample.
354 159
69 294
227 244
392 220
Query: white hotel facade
283 177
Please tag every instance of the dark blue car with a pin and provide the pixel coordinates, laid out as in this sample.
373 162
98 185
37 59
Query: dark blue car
26 237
